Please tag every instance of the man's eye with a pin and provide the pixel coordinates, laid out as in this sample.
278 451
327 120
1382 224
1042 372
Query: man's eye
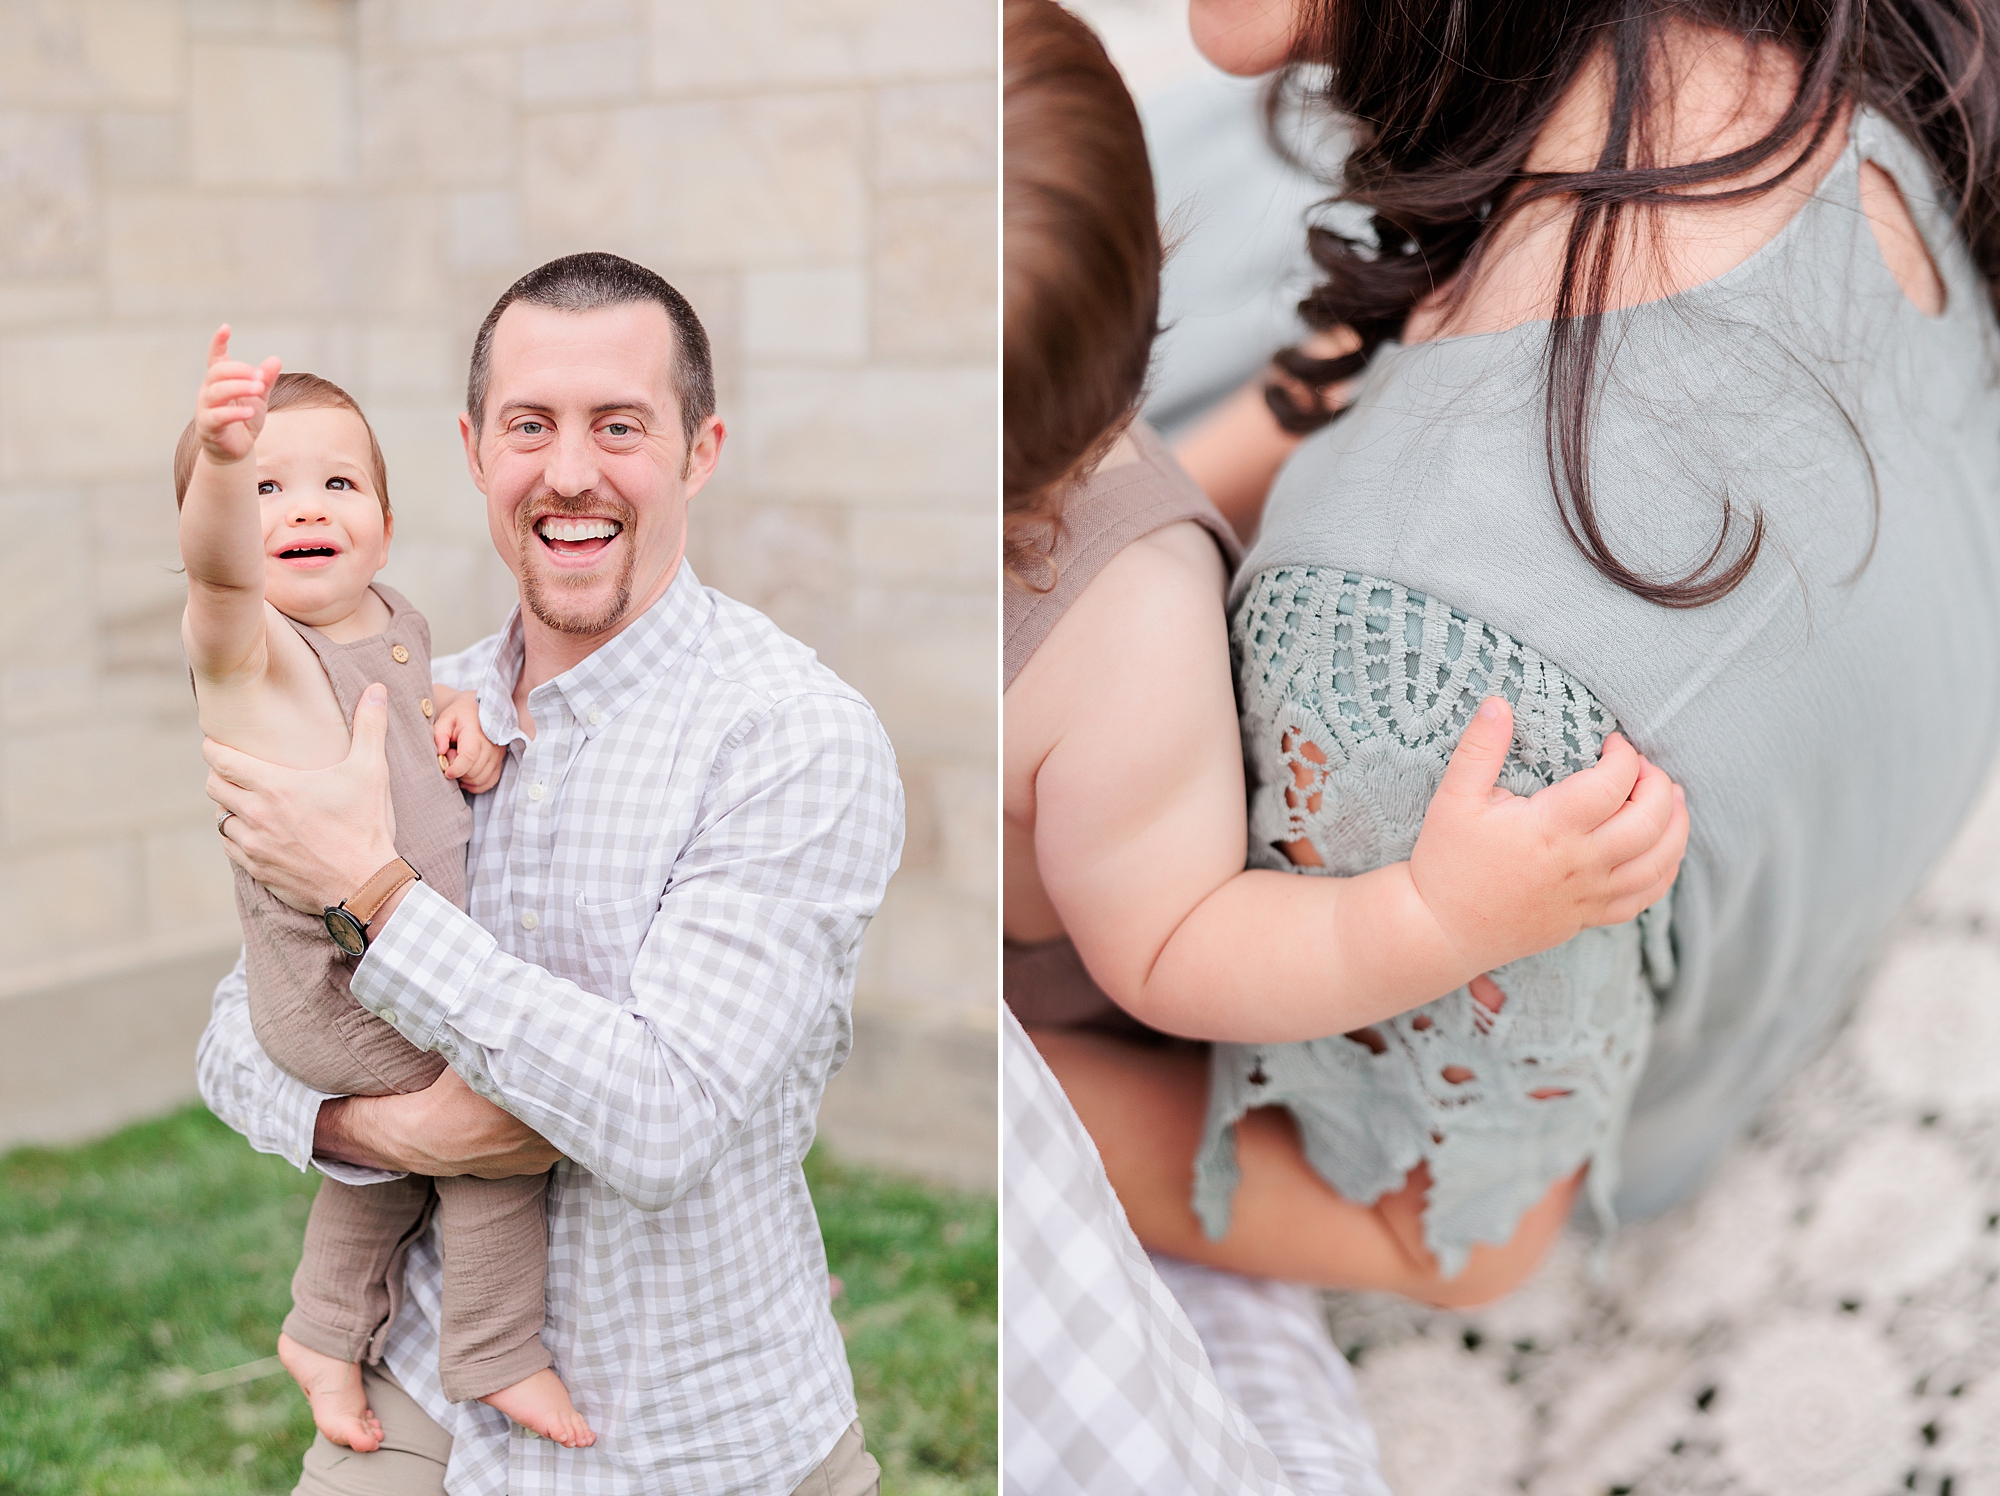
619 428
530 428
267 485
340 483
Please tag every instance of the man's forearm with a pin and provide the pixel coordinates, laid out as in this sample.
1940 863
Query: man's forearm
341 1133
442 1130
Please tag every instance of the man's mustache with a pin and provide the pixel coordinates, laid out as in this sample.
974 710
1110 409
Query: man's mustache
540 506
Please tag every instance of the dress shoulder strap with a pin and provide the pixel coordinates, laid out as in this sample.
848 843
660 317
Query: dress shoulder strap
1100 517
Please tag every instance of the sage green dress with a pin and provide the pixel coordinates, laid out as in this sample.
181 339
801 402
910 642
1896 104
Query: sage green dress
1831 719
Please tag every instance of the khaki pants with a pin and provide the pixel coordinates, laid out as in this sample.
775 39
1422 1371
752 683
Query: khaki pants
414 1450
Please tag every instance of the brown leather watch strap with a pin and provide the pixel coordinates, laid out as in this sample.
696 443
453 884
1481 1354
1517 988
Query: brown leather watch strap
367 901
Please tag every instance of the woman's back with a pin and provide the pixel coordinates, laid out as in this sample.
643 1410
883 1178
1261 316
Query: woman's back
1832 716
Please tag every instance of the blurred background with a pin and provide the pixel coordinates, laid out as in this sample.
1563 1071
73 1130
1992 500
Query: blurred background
351 183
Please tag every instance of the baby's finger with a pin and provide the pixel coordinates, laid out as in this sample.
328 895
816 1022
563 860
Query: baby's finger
217 391
1653 871
1481 753
1590 797
1640 821
269 370
218 346
442 733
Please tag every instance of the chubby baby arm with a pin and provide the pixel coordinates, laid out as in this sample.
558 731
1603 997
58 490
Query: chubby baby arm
221 536
1125 720
464 753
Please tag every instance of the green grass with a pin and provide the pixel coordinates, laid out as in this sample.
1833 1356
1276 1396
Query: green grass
132 1266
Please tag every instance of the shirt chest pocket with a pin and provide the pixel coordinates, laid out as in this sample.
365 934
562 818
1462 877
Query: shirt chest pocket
609 932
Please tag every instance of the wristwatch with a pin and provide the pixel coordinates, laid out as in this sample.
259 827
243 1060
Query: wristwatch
348 921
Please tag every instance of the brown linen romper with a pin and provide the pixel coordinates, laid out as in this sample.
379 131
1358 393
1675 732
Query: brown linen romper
493 1232
1046 983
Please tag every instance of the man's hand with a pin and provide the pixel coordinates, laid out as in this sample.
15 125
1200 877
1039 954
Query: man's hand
1506 876
311 836
443 1130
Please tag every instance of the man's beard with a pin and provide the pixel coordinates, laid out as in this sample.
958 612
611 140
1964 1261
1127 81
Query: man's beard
542 592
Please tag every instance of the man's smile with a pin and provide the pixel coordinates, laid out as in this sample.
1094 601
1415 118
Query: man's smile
576 539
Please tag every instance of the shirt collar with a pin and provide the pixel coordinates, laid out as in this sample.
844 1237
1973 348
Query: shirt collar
604 682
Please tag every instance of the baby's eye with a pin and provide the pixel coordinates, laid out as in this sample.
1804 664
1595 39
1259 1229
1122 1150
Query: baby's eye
267 485
340 483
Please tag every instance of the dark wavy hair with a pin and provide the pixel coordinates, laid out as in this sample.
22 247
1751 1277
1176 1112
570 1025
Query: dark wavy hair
1445 98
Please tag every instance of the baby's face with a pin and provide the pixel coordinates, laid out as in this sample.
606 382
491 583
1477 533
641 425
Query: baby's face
325 535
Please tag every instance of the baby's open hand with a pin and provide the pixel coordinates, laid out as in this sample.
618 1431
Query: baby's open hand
463 751
1507 876
230 410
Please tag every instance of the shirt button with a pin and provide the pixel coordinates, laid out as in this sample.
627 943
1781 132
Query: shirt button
425 706
594 718
400 655
536 791
388 1015
528 920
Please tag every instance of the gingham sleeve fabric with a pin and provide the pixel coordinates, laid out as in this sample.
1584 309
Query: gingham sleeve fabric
275 1112
1107 1389
752 942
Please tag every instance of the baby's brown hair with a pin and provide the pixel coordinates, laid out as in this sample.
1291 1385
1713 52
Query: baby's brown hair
1082 264
292 392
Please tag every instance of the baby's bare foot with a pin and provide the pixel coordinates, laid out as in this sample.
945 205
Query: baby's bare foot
541 1402
333 1387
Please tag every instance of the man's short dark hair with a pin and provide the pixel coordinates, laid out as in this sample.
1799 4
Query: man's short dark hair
583 283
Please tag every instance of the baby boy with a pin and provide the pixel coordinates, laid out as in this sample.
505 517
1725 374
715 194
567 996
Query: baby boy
284 523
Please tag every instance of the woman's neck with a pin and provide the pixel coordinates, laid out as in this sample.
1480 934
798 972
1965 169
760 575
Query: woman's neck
1714 94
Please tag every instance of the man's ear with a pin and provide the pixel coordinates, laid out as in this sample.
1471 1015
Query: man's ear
471 439
703 453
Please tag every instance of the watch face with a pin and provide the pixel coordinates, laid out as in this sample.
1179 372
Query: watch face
348 932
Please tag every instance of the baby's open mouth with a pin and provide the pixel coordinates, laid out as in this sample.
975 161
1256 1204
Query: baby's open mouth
308 553
574 537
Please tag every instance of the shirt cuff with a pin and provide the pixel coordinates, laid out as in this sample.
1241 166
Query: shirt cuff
294 1116
334 1169
415 970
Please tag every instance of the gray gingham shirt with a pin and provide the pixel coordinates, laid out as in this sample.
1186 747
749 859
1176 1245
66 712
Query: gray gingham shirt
1107 1390
668 891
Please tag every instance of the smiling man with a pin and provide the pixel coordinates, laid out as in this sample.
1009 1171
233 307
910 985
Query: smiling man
668 889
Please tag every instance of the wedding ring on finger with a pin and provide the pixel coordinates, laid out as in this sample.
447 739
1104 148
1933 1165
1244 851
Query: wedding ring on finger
221 821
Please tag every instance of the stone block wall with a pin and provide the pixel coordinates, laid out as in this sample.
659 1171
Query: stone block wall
350 183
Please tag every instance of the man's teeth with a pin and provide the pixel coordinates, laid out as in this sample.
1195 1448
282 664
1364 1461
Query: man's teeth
553 528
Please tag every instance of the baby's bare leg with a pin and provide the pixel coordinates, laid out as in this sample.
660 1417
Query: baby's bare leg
1145 1109
345 1293
495 1238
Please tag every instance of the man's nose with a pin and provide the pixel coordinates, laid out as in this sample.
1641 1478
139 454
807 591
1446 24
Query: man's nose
572 468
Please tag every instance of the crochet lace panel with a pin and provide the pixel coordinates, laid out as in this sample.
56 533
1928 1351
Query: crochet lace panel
1353 693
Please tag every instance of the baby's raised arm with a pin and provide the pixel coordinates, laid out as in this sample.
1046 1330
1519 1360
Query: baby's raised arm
1140 830
221 532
